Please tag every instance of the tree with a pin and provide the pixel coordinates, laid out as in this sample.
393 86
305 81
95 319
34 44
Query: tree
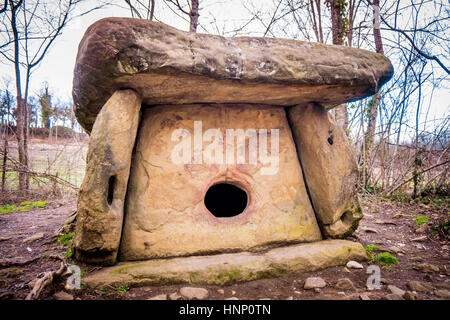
46 107
339 25
31 27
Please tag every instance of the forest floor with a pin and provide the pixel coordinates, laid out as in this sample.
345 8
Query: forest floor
29 247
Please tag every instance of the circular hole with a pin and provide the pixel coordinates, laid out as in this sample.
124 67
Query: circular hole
225 200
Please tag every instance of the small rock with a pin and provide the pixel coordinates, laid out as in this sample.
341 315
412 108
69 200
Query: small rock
370 230
385 222
444 247
354 265
342 293
34 237
221 291
314 282
393 296
364 296
290 298
159 297
418 286
232 298
174 296
346 270
442 293
421 229
426 267
394 249
194 293
395 290
422 238
61 295
384 281
345 284
416 259
317 290
411 296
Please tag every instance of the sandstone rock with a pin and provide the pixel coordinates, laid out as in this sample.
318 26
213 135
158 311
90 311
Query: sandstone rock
426 267
396 290
102 194
165 200
345 284
330 168
314 282
163 64
364 296
194 293
228 268
354 265
411 296
220 291
174 296
61 295
34 237
393 296
418 286
418 239
159 297
442 293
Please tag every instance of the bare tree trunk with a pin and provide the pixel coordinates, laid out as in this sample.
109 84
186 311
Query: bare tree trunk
337 10
194 16
5 157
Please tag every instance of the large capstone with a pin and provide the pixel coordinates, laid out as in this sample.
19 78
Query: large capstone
168 66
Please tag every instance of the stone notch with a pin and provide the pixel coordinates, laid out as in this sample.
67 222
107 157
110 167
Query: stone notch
168 66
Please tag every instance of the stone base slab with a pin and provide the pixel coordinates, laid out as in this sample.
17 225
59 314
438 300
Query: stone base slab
231 267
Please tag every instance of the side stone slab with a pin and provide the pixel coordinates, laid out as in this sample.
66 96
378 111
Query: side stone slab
330 169
228 268
101 199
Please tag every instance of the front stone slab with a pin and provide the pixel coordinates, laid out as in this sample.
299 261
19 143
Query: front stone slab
166 214
228 268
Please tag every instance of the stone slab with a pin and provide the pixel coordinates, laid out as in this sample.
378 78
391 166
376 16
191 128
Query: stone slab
229 268
168 66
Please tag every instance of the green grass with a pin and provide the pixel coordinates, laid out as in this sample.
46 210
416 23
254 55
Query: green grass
23 207
65 240
123 289
420 220
371 247
385 259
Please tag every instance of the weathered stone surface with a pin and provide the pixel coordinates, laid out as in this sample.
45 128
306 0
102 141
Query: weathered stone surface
159 297
419 286
345 284
228 268
329 167
396 290
411 296
163 64
314 283
166 214
426 267
393 296
62 295
442 293
102 194
354 265
194 293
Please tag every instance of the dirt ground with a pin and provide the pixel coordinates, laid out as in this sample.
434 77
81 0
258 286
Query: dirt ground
387 224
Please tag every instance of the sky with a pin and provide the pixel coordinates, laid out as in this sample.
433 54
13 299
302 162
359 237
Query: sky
58 65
